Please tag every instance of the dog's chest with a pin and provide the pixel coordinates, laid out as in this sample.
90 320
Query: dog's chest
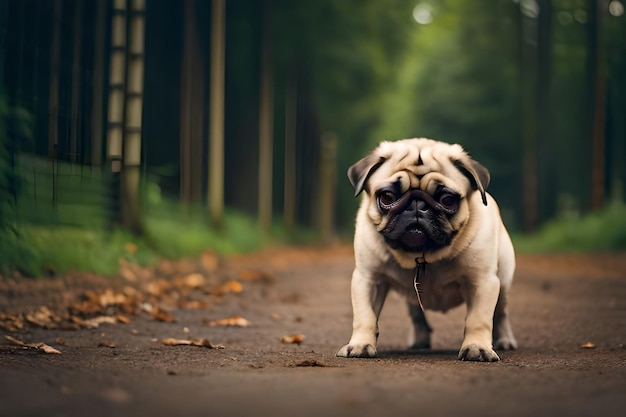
439 288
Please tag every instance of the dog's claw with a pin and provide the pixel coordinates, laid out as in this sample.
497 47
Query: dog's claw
478 353
357 351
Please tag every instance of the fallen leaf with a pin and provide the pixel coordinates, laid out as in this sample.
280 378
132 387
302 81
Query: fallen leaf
234 321
254 275
205 343
158 287
175 342
110 297
43 317
39 346
122 318
46 348
296 338
12 323
232 286
194 280
185 342
94 322
228 287
126 272
162 315
192 304
14 340
106 343
588 345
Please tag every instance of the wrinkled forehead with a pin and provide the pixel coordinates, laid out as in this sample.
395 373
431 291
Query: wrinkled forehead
419 167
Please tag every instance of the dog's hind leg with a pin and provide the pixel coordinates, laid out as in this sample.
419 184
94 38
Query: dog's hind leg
503 338
419 335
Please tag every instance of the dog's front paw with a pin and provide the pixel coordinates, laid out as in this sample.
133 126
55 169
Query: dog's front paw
475 352
357 351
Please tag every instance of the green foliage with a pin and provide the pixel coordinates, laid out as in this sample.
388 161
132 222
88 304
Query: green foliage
58 249
43 250
599 231
176 232
61 193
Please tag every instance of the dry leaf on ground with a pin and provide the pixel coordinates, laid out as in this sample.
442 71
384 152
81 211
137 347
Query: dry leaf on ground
194 280
94 322
227 287
296 338
234 321
122 318
106 343
43 317
39 346
192 304
162 315
588 345
184 342
11 323
255 275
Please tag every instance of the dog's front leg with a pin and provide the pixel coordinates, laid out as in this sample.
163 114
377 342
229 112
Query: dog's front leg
481 296
368 297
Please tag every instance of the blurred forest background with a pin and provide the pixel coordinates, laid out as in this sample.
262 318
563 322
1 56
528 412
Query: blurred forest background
144 128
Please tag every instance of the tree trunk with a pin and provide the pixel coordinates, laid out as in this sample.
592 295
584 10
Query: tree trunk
291 122
266 118
53 98
528 38
4 11
546 168
76 77
117 82
191 109
115 114
597 81
215 192
131 170
98 83
326 186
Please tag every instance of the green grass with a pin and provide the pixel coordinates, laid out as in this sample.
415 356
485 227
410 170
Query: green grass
595 232
58 249
170 232
188 234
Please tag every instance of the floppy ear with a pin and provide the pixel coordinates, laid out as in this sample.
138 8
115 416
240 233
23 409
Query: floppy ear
477 174
361 171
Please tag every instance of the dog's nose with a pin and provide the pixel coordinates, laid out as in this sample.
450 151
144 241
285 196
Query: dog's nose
418 206
422 206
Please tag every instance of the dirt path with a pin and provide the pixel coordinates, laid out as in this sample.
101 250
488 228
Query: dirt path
558 304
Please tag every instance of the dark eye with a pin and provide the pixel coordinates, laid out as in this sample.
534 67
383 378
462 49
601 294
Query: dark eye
449 201
386 198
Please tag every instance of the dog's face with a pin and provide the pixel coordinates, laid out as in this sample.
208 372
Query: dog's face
418 193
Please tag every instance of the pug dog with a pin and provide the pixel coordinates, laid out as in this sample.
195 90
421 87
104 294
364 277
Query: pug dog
427 228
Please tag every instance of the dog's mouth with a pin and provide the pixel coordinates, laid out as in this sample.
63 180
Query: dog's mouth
414 238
